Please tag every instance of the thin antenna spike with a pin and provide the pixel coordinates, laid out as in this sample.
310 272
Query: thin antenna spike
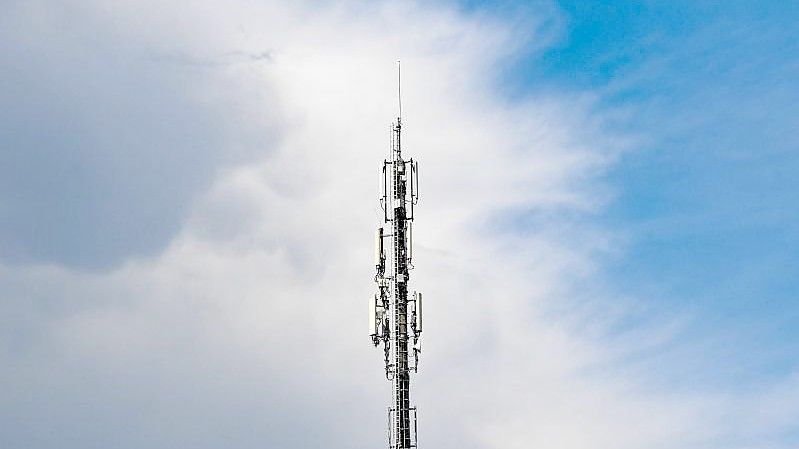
399 89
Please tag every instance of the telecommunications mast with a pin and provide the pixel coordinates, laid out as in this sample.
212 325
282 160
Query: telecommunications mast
395 320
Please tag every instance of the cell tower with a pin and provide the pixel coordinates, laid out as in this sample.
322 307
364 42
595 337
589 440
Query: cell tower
394 319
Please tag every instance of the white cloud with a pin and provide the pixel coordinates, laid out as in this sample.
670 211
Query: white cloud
249 329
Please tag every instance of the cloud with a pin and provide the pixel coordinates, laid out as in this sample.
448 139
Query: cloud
107 139
246 326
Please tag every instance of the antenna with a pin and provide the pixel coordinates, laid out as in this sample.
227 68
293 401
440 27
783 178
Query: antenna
399 89
395 319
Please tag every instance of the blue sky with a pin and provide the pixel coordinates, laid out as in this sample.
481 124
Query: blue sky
182 260
708 197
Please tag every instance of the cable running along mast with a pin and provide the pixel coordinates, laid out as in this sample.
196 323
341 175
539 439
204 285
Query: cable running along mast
395 320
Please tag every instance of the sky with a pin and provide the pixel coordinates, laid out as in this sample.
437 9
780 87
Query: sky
607 236
708 198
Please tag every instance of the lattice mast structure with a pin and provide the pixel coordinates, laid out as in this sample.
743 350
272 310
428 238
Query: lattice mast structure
395 319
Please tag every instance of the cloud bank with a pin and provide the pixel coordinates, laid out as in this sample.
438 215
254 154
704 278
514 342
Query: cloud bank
215 167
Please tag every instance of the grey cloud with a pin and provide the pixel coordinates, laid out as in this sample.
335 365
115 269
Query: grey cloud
104 148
